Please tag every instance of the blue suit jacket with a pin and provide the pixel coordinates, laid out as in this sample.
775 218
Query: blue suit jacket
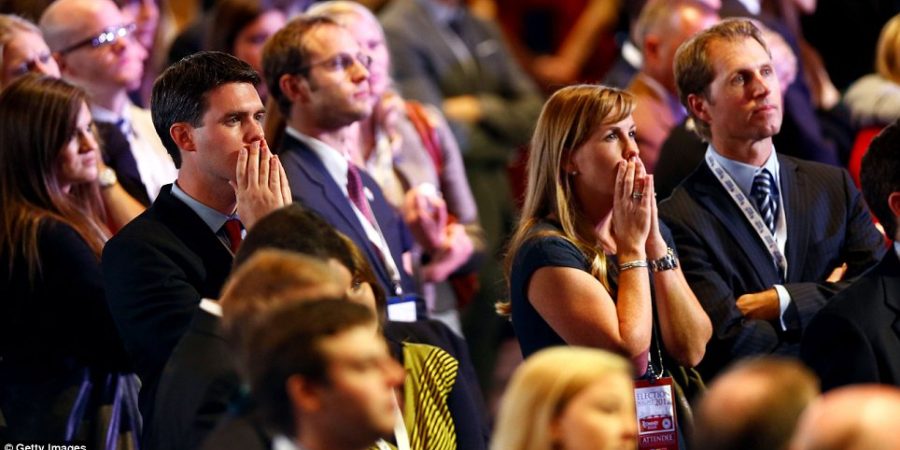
723 258
312 185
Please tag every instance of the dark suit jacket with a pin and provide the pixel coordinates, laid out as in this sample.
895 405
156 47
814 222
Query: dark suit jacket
856 338
156 269
196 387
723 258
312 185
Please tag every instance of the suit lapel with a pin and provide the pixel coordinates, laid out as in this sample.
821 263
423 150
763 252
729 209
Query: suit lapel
889 271
196 235
796 200
709 192
329 190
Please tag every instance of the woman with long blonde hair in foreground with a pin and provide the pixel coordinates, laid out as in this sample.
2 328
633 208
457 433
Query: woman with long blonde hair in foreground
587 405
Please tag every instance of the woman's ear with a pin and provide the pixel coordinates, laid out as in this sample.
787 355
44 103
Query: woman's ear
569 164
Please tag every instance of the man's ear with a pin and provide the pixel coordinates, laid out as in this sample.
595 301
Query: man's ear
699 106
894 204
182 134
304 395
650 48
60 62
295 88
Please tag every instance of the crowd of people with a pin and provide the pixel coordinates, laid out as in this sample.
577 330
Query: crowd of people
323 225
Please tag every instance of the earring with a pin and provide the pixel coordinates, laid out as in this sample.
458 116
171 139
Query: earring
573 173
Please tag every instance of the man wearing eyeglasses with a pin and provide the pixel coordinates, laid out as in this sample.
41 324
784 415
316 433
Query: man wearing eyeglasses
96 50
318 75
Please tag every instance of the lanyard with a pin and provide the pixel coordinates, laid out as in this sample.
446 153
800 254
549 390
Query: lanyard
750 213
400 434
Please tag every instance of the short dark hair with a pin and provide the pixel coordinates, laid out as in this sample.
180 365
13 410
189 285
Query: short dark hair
285 53
180 93
296 229
287 342
879 175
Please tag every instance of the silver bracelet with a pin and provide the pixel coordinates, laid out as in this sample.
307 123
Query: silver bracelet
667 262
632 265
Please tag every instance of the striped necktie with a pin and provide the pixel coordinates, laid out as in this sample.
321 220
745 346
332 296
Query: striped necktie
765 194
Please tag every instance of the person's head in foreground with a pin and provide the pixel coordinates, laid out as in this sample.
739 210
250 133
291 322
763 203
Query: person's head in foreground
755 404
880 179
568 398
322 376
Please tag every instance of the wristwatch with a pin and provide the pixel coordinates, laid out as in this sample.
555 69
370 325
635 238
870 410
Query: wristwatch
667 262
107 178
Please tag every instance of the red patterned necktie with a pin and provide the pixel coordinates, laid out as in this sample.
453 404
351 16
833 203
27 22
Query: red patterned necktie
233 229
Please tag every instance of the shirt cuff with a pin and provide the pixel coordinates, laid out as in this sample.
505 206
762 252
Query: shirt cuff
784 299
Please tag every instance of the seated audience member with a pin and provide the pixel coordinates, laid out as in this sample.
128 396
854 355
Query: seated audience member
409 150
662 26
241 27
851 418
322 377
95 49
754 405
854 339
157 268
317 74
56 334
552 403
589 244
874 100
24 51
763 238
200 382
151 30
683 149
441 383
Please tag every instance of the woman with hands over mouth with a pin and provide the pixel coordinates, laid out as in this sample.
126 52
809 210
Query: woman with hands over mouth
590 264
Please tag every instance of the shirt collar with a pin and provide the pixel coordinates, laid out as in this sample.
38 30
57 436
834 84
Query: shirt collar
335 161
212 218
211 306
441 13
742 173
101 114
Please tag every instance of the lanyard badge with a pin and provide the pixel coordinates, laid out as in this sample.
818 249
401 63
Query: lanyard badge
657 423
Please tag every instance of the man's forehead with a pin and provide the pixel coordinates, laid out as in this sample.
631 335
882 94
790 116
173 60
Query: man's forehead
328 38
85 19
232 97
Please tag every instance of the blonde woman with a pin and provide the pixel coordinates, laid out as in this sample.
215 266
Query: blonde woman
874 100
590 262
589 405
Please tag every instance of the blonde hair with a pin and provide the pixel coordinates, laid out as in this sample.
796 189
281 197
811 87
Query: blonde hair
887 57
539 392
268 279
338 10
566 122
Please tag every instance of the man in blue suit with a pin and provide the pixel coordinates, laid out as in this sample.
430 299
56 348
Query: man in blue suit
318 75
765 240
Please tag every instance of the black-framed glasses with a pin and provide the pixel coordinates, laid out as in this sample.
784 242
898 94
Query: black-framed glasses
341 61
106 37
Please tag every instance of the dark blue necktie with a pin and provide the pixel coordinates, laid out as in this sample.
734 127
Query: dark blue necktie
765 193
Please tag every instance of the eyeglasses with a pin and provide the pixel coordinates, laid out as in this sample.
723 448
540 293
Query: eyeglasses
341 61
107 37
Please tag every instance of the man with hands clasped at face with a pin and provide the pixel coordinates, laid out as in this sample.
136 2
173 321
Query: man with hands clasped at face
590 261
209 116
765 240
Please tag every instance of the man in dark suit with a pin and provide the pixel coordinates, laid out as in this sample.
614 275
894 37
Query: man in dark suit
856 338
763 238
156 269
317 74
